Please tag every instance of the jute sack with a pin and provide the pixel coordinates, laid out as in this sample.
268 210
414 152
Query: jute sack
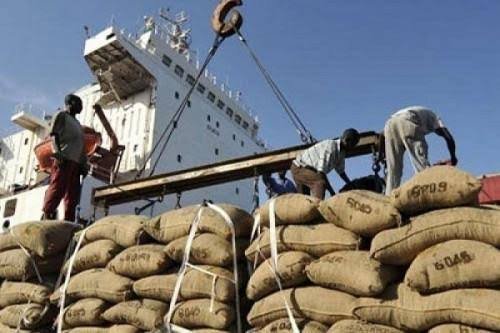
112 329
140 261
457 328
316 303
15 265
196 313
100 283
7 242
209 330
358 326
400 246
20 293
365 213
7 329
207 249
177 223
196 284
95 255
455 264
284 326
45 238
27 316
290 270
291 208
145 314
316 240
85 312
124 230
434 188
353 272
408 310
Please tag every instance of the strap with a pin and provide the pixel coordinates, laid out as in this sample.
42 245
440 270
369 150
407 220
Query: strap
26 252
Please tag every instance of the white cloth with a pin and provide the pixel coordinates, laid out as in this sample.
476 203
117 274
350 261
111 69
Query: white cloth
324 156
406 131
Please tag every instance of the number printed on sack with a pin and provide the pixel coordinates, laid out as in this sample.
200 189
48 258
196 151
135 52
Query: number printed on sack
361 207
420 190
189 312
450 261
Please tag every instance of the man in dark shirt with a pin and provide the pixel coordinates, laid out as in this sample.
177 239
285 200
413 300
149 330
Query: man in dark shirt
280 186
69 161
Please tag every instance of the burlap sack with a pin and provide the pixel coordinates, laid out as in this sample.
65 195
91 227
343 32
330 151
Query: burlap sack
45 238
400 246
290 270
15 265
434 188
95 255
457 328
140 261
20 293
7 329
100 283
177 223
196 313
209 330
27 316
7 242
353 272
196 284
124 230
112 329
365 213
291 208
358 326
316 240
316 303
207 249
146 314
455 264
85 312
284 326
408 310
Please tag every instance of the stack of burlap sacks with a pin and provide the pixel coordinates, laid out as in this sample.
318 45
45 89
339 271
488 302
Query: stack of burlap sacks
344 263
31 257
123 278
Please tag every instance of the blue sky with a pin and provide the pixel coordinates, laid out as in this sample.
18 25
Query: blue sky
342 64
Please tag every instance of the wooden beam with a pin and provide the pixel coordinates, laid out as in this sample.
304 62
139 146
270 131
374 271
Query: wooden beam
213 174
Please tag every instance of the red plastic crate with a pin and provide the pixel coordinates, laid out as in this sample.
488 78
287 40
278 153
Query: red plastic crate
490 194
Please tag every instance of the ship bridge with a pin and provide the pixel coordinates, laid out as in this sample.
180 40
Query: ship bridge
117 71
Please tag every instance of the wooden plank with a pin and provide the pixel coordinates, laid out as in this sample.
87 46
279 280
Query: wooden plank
213 174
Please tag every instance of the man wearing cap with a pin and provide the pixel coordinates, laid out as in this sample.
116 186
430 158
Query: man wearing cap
405 131
69 161
311 167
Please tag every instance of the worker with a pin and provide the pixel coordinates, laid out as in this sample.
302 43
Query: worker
311 167
70 161
280 186
406 130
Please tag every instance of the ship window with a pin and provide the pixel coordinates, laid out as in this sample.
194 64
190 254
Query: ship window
179 158
190 80
10 208
0 151
245 125
234 137
242 143
166 60
216 151
220 104
176 95
179 71
208 117
201 88
124 120
229 112
217 124
26 141
211 97
188 104
21 169
237 119
237 191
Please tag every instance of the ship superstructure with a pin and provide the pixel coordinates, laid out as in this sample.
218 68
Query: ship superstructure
141 81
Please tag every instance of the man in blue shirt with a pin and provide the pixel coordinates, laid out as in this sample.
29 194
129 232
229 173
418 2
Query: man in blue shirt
280 186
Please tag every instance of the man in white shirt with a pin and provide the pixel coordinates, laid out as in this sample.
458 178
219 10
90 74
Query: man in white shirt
405 131
311 167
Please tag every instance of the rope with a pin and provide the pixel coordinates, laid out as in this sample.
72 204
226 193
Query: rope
172 125
304 133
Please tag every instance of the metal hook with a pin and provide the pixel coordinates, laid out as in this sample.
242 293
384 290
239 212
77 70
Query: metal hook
226 28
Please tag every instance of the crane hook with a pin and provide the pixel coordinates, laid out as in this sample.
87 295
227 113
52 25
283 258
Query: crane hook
227 28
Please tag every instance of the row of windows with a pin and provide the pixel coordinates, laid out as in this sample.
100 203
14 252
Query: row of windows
217 125
179 71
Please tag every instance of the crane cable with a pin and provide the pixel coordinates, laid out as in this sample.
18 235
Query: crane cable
172 125
304 133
